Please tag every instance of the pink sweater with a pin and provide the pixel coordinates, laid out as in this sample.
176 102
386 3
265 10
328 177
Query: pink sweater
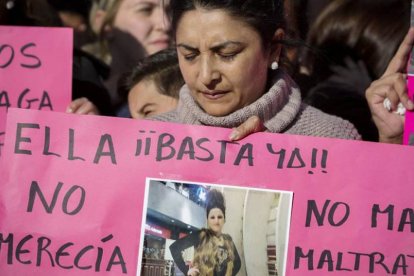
280 109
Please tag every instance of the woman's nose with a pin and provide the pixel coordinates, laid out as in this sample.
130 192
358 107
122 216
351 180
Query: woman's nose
160 20
209 75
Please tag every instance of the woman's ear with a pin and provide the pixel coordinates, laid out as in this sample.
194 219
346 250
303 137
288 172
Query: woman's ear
276 46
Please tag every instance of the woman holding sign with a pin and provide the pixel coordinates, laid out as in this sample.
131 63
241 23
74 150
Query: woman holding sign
215 252
231 57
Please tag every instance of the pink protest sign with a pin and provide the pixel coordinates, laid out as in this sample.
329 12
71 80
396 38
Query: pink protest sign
36 67
85 195
2 128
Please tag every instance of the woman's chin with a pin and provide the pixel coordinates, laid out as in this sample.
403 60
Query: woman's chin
216 231
218 110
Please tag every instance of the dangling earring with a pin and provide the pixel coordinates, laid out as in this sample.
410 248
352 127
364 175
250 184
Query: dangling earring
274 65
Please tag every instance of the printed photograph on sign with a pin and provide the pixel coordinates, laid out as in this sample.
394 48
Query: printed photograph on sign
204 229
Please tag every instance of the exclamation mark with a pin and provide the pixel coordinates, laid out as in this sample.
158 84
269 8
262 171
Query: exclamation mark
313 164
324 160
139 144
147 145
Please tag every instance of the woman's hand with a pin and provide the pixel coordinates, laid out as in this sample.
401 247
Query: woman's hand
391 85
251 125
82 106
193 271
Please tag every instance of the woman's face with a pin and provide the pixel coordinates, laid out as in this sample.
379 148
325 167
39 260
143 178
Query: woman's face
145 100
215 220
222 60
146 21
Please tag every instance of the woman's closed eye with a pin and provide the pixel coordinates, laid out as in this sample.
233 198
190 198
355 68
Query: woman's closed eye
190 57
227 56
147 112
145 9
228 51
187 52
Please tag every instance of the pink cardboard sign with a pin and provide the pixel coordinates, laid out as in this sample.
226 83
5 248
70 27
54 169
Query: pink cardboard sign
76 193
35 68
3 114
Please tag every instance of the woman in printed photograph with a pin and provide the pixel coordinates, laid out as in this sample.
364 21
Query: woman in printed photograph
214 252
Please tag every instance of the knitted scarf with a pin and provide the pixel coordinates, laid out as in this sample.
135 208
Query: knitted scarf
277 108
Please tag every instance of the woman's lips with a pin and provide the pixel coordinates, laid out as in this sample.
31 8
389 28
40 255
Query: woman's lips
160 42
214 95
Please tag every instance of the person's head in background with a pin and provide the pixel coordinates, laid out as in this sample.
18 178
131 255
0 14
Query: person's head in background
300 14
28 13
144 20
75 14
130 30
98 12
154 85
363 30
48 13
226 49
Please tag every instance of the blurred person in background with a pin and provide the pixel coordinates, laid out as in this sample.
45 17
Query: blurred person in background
154 85
351 44
75 14
392 87
129 30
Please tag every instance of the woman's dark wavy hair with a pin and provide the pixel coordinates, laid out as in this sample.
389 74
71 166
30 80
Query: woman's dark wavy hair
265 16
215 199
365 30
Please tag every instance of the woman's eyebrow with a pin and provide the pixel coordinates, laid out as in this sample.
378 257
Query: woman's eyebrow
225 45
187 47
140 4
214 48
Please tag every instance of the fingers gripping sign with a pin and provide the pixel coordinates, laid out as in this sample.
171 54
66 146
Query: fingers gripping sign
82 106
250 126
